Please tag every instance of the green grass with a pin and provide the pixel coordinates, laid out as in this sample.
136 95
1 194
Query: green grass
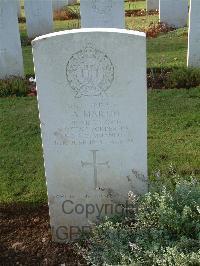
28 60
174 131
21 162
168 50
173 138
135 5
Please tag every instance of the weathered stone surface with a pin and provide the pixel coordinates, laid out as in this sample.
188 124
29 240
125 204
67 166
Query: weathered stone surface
18 8
102 14
39 17
174 12
92 102
11 61
194 35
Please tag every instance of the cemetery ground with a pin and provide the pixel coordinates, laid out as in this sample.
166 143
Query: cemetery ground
173 149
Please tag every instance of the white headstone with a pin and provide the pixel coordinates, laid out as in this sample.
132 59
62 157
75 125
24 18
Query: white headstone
11 61
174 12
193 59
102 14
152 5
18 8
92 100
39 17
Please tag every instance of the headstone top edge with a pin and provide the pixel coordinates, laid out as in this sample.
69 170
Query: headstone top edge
87 30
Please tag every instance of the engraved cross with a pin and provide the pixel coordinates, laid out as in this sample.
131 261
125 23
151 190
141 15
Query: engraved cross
95 165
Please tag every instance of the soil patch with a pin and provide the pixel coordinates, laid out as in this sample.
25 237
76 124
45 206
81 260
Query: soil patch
25 239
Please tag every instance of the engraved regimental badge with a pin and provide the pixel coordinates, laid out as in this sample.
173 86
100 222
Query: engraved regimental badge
90 72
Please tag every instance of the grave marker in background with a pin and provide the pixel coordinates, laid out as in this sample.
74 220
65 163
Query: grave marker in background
152 5
39 17
18 8
102 14
11 61
174 12
93 121
193 59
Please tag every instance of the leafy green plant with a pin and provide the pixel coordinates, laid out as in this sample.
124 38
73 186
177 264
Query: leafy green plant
164 230
14 86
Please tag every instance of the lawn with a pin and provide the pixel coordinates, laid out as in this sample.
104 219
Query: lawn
168 50
21 162
135 5
173 139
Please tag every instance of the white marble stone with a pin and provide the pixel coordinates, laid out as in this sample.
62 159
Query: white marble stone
11 61
93 110
39 17
102 14
193 59
152 5
174 12
18 8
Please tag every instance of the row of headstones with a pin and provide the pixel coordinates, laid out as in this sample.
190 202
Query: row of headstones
39 19
56 4
94 14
